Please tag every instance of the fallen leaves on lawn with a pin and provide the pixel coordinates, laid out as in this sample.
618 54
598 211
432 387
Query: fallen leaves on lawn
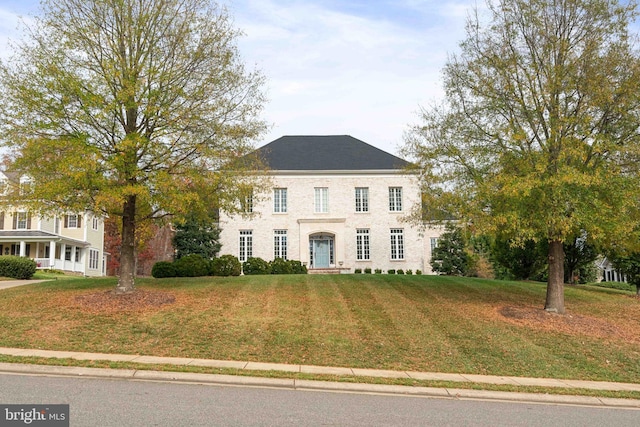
109 301
572 324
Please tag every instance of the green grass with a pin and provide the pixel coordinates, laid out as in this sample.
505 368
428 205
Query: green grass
419 323
54 275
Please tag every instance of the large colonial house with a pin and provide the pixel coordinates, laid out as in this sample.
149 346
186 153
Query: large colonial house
336 204
73 242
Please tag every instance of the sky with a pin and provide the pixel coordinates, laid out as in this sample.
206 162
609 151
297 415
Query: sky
333 67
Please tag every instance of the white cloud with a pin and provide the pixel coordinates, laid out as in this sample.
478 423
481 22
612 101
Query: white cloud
333 72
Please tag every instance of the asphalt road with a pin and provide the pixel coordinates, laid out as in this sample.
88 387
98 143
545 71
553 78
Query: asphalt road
123 403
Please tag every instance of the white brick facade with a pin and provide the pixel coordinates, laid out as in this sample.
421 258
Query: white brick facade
331 236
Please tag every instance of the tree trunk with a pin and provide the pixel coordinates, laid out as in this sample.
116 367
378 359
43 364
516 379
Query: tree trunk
127 252
638 290
555 284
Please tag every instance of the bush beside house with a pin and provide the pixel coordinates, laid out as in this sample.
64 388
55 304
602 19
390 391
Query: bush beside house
227 265
17 267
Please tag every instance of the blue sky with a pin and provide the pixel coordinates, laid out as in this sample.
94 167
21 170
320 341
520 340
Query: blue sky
359 67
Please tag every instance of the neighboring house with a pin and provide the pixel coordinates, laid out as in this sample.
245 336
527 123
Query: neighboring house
73 242
336 204
607 273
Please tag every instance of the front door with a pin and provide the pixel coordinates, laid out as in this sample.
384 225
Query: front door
321 257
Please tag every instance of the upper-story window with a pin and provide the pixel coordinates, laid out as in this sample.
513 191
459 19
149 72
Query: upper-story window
246 203
362 199
95 223
322 199
395 199
25 185
72 221
279 200
22 221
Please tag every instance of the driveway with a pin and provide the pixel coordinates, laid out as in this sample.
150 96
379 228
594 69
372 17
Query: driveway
13 283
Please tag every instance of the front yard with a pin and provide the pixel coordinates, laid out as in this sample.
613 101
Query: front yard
420 323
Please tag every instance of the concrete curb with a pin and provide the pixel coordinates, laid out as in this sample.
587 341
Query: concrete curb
326 370
308 385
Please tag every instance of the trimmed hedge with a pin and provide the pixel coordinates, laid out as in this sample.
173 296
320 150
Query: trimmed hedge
17 267
297 267
163 269
281 266
255 265
226 265
192 265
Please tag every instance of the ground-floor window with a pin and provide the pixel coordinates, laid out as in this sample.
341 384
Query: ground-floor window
15 250
362 244
246 245
93 259
397 244
280 244
67 253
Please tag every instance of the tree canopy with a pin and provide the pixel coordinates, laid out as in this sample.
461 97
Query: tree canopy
538 135
130 108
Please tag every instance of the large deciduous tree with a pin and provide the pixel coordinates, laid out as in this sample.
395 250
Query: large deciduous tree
130 108
538 135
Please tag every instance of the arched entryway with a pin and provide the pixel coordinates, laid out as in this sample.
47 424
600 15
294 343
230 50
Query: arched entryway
322 250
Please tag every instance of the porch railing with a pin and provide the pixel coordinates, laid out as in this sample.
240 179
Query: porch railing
43 262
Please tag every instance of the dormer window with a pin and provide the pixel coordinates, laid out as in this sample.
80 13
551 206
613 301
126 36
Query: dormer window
25 186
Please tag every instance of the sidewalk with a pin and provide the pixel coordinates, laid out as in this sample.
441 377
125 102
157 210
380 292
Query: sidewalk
319 385
5 284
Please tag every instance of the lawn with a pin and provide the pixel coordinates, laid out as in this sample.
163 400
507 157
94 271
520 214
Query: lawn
421 323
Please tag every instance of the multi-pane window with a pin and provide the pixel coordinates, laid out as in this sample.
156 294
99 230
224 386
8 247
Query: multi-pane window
434 243
362 244
322 199
22 219
67 253
362 199
72 221
95 223
246 203
397 244
93 259
77 254
395 199
280 244
246 245
280 200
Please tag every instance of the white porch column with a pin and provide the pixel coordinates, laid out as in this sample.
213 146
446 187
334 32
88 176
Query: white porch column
74 248
63 251
52 254
23 248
